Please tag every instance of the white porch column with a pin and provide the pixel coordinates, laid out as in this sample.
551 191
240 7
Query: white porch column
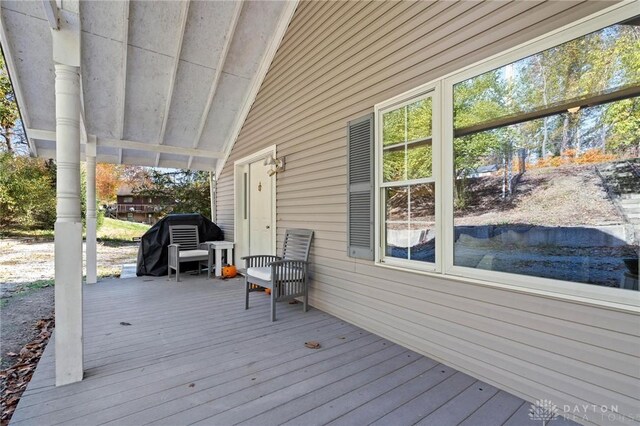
212 196
68 228
91 245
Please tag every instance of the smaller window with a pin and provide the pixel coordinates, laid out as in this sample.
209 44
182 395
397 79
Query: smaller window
127 200
407 190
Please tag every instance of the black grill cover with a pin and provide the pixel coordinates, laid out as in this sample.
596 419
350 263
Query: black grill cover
152 252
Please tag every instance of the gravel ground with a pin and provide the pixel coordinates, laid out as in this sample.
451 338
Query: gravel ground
23 261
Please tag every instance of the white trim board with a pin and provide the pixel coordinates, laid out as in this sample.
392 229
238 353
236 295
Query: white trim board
50 135
237 212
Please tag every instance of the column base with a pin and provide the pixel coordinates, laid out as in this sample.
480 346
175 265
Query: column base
68 303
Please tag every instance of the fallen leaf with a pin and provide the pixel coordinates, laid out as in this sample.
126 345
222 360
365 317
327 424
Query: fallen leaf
192 385
18 375
125 323
312 344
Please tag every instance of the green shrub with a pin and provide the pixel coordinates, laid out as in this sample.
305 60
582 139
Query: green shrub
27 192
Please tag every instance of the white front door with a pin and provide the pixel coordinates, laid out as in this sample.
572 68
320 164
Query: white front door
260 199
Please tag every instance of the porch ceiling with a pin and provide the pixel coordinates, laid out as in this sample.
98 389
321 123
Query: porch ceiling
164 84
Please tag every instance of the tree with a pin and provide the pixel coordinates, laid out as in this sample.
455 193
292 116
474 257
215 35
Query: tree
476 100
135 176
27 185
83 200
27 191
183 191
107 182
623 120
10 125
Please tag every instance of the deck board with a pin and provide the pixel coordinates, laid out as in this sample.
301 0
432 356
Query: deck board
192 354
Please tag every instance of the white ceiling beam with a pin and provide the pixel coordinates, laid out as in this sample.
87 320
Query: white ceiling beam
218 73
17 89
51 153
49 135
258 78
166 149
123 73
45 135
51 12
184 13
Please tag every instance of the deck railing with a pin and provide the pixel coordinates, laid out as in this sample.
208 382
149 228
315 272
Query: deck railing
138 208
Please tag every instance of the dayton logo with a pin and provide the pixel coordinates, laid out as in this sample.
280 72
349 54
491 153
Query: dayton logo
543 410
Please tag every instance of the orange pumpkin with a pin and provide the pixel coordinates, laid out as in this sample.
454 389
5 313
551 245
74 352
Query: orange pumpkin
229 271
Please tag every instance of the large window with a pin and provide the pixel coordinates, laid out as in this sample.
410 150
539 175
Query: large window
540 165
546 166
408 183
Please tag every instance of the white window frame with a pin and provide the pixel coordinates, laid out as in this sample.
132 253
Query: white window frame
443 150
432 91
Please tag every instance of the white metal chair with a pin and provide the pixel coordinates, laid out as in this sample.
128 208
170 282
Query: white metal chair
286 275
185 246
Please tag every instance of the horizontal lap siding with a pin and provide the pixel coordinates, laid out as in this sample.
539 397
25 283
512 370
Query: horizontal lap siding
336 61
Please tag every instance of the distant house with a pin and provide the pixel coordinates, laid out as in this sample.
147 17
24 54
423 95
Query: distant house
136 208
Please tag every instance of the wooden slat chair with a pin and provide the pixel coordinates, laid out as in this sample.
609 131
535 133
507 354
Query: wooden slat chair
185 246
286 275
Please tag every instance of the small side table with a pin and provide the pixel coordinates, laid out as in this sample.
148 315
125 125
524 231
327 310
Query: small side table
218 246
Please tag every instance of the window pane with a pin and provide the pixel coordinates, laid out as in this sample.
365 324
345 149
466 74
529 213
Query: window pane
393 127
419 120
422 221
410 232
407 142
419 161
556 197
397 222
601 62
393 165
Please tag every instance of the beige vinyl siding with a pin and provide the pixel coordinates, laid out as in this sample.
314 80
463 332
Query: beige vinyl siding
336 61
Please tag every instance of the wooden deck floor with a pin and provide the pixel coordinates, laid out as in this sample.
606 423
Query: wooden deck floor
192 354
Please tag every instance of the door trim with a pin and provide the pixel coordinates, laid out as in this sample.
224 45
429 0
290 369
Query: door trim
239 194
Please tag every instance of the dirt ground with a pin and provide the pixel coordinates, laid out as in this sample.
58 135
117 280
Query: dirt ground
25 261
18 315
561 196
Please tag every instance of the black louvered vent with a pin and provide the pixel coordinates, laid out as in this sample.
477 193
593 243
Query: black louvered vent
360 175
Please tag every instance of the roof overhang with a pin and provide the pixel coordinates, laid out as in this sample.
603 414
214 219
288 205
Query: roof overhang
164 84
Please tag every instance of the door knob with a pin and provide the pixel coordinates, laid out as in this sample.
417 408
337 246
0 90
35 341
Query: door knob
268 227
